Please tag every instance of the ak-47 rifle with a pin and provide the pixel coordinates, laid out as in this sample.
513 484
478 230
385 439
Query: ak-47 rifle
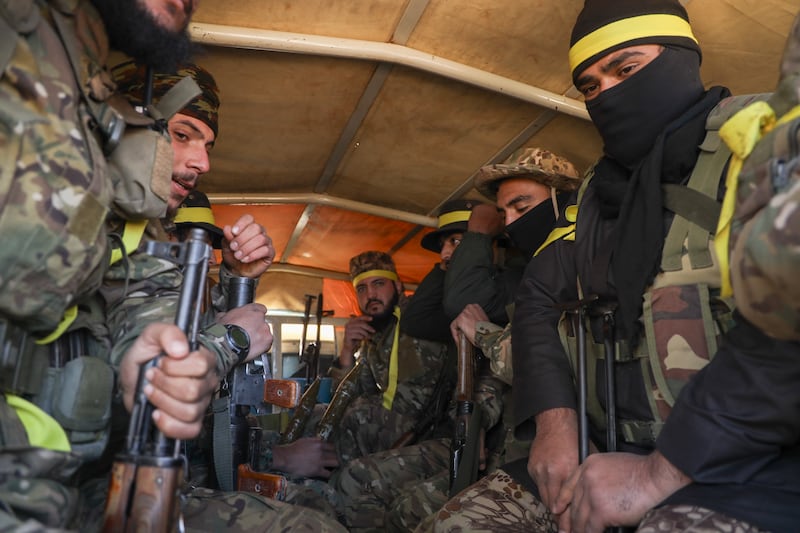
268 484
309 355
313 358
339 402
464 452
146 478
242 389
303 348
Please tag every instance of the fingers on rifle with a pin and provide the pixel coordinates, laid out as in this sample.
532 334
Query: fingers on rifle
174 428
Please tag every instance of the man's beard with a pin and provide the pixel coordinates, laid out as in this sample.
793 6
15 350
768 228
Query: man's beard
134 31
382 319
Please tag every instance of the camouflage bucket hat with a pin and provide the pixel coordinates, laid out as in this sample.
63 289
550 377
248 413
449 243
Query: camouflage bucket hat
453 218
372 263
130 79
195 212
535 164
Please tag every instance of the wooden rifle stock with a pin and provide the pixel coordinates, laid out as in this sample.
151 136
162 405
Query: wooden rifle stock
464 456
146 479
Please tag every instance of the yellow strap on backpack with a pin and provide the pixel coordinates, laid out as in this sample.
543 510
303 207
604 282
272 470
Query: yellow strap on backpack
131 237
42 429
391 389
566 233
69 317
741 133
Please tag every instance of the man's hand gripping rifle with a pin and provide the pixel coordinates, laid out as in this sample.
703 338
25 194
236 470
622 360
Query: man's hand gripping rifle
146 478
464 449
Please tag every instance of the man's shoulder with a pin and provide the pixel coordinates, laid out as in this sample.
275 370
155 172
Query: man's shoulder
727 107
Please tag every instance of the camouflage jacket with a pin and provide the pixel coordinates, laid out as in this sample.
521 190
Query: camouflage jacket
55 185
419 366
142 289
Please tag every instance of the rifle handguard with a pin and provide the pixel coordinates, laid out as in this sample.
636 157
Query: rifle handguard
341 399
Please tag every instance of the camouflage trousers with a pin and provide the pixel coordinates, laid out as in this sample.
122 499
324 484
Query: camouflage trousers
395 489
366 427
314 494
207 510
31 499
498 504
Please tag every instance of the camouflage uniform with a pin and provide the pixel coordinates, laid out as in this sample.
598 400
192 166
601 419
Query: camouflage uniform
58 189
764 230
395 489
366 427
52 168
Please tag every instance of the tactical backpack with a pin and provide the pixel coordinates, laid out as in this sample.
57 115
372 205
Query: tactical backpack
765 206
683 312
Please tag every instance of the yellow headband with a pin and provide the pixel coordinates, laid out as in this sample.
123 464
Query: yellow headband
626 30
195 214
453 216
375 273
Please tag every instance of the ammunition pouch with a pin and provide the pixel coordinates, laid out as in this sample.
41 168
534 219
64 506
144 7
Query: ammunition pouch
81 403
23 363
75 389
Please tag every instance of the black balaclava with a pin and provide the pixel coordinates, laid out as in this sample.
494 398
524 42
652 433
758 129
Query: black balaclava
530 230
630 116
652 124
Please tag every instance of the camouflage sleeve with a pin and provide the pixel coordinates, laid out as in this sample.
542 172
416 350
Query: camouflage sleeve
144 289
495 343
489 396
269 439
138 290
764 259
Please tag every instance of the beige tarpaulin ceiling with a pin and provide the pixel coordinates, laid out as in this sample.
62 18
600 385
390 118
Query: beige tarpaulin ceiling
345 125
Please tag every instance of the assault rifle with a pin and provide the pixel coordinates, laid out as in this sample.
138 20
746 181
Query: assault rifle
146 478
242 389
273 485
464 452
333 412
303 348
339 402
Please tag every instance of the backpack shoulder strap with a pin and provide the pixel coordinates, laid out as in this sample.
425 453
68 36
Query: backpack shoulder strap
695 205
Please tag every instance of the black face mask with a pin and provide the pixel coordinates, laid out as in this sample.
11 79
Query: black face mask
530 230
630 115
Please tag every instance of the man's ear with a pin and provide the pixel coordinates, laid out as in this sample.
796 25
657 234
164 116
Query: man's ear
398 285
